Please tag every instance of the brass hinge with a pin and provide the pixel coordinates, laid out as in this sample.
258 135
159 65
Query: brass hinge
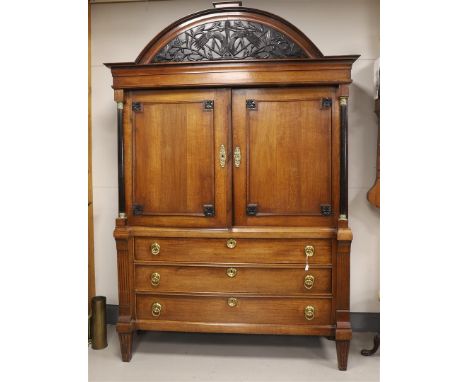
208 210
208 104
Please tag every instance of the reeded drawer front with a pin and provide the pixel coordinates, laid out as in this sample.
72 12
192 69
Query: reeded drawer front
233 250
279 281
234 309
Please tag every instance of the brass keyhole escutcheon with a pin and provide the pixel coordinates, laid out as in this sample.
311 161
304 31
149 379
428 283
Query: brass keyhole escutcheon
156 309
155 278
309 312
231 272
155 247
237 156
232 302
309 281
231 243
309 250
222 156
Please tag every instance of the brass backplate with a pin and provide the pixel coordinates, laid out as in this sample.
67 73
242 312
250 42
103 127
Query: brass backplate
156 309
155 279
309 312
309 250
231 243
232 302
309 281
231 272
155 248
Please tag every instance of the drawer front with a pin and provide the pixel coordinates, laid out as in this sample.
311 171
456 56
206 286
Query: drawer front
239 250
279 281
234 309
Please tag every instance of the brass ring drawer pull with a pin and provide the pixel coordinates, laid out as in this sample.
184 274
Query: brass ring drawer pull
155 247
156 309
231 272
309 281
309 250
309 312
155 278
231 243
232 302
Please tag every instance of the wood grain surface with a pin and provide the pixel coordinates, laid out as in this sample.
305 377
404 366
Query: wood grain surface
250 310
246 250
212 279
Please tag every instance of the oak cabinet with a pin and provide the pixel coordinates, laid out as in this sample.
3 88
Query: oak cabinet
232 132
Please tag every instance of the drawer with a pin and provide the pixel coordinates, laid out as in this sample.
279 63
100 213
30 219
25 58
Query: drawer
242 251
234 309
225 279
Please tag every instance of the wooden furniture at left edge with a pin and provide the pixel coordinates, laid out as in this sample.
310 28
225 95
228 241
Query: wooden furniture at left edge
229 265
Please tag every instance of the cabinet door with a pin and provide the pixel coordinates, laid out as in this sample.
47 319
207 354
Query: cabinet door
287 141
176 169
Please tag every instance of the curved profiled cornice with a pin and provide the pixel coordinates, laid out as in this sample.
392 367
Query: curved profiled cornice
232 46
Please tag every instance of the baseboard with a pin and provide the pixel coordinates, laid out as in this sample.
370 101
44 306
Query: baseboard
360 322
112 314
365 322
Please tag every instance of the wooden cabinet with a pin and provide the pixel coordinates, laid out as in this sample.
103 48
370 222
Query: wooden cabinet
232 130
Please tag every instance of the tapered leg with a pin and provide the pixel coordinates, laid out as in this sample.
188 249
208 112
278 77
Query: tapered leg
342 350
374 349
126 342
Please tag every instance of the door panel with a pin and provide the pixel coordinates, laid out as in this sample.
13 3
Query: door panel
285 175
176 175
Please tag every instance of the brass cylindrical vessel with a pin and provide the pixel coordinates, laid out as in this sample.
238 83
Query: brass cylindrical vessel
98 326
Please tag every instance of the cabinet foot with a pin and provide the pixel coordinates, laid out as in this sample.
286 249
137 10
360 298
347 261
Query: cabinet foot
367 352
342 350
126 342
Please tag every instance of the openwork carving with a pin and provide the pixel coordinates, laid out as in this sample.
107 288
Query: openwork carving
229 40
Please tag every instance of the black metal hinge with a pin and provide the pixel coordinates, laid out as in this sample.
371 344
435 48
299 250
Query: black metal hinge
208 104
208 210
137 106
137 209
326 103
251 104
325 209
251 209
